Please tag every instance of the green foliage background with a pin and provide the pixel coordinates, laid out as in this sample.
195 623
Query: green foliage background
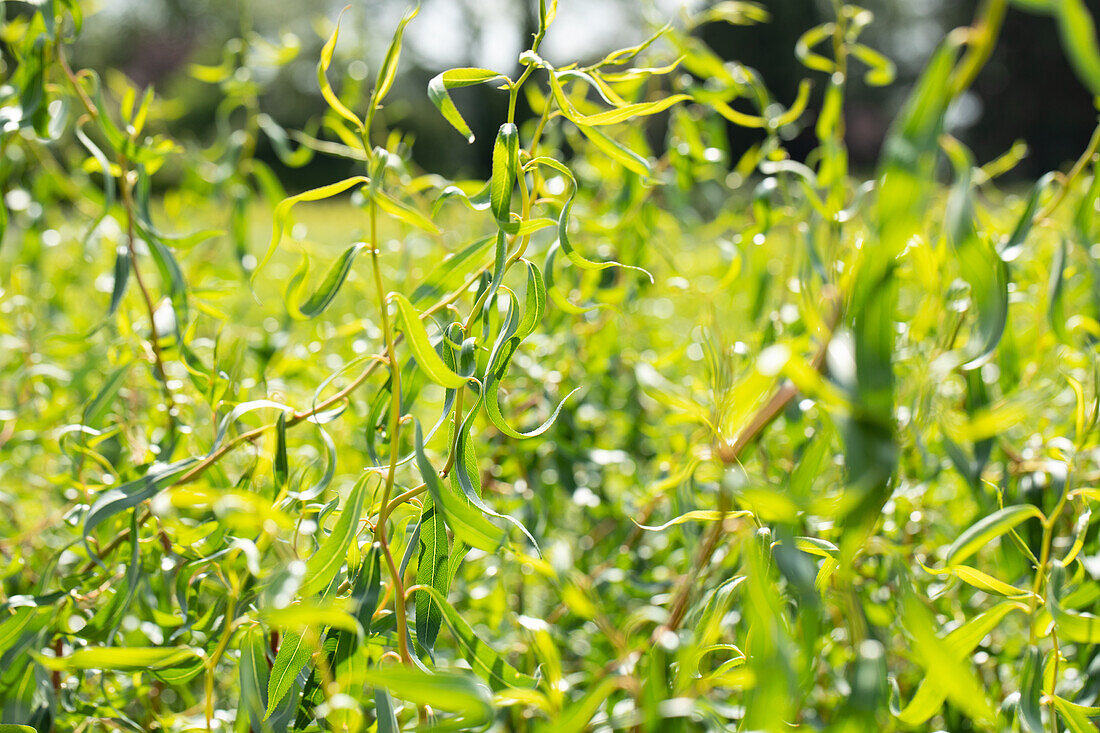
627 436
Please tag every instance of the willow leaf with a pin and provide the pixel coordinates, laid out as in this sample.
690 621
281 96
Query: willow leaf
282 213
321 298
294 652
253 675
701 515
1031 691
403 212
323 565
1076 716
505 166
452 79
322 78
431 572
618 152
1078 31
483 659
426 357
387 72
960 683
987 529
468 524
564 220
129 495
448 691
1075 626
174 664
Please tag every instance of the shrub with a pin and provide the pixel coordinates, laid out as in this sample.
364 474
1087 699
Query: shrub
626 436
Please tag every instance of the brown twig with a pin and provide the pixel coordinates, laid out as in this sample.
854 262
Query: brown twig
731 454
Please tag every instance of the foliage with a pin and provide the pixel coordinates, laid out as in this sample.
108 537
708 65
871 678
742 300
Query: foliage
629 435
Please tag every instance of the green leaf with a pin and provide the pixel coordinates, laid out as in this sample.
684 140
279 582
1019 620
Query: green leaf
959 682
253 675
577 717
1079 627
237 413
447 274
987 529
323 565
431 572
564 219
282 213
24 619
526 227
880 70
1037 6
1010 250
367 589
123 264
1056 312
105 622
387 72
157 660
452 79
321 298
1078 33
448 691
384 712
618 152
483 659
505 166
808 40
979 263
279 465
466 476
980 580
403 212
294 652
1076 716
94 410
312 614
425 354
554 292
468 524
129 495
508 340
322 79
611 116
1031 691
734 13
702 515
1080 530
280 143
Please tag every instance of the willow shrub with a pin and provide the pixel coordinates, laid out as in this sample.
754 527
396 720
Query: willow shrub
639 437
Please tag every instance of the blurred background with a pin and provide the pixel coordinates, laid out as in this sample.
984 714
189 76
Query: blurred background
1027 92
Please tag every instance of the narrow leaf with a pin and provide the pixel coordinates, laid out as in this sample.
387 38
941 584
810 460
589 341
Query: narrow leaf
322 79
468 524
987 529
448 691
426 357
505 165
282 213
294 652
451 79
326 562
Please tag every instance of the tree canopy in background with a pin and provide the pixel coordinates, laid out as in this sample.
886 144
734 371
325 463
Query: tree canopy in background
156 42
